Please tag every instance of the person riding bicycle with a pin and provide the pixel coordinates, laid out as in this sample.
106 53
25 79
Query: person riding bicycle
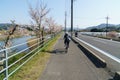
66 40
76 34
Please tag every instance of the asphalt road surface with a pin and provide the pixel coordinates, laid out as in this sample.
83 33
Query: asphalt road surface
109 46
73 65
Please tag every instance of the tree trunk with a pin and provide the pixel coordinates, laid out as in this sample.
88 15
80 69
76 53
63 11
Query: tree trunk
43 36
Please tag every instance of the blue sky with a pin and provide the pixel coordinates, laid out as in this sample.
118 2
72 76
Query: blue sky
86 12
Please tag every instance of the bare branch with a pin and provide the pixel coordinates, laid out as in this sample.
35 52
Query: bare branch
38 15
9 35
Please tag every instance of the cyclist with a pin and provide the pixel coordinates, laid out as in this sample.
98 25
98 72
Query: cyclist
76 34
66 41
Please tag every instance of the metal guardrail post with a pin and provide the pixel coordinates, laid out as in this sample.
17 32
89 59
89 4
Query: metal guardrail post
6 64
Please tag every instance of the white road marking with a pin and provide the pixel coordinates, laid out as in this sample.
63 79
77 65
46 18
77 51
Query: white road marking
100 41
101 51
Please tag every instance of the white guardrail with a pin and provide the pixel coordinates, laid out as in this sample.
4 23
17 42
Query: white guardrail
5 73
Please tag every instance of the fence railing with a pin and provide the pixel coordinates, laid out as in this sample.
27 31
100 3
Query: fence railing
11 61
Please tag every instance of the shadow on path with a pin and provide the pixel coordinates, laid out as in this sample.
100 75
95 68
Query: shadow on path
88 54
56 51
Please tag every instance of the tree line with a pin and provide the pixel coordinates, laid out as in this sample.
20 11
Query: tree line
41 23
40 20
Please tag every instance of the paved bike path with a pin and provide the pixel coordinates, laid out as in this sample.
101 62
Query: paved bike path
73 65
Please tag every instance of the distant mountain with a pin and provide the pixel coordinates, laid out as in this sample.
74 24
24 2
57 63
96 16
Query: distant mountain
5 26
103 26
118 25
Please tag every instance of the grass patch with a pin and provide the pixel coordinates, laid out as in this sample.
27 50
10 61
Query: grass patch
35 41
33 69
12 60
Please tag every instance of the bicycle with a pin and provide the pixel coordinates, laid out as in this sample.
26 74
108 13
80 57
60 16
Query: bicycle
66 46
66 41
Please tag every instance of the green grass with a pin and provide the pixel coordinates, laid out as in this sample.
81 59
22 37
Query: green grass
12 60
33 69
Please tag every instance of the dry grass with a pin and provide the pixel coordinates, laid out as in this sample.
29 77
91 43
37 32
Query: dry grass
33 69
32 43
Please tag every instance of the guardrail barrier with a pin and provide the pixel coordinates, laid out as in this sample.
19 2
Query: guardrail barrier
11 61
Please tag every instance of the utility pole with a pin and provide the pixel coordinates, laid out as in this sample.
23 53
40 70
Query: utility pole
65 20
77 28
71 18
106 24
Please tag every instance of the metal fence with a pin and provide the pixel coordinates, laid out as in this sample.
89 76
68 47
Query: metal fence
8 54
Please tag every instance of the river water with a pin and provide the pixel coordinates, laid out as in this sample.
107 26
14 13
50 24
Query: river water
17 41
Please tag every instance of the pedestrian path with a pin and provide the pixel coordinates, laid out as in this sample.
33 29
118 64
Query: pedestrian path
73 65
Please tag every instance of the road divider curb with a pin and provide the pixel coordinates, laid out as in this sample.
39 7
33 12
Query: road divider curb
117 76
98 60
108 61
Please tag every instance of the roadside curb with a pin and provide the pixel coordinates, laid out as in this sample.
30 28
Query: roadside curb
117 76
98 61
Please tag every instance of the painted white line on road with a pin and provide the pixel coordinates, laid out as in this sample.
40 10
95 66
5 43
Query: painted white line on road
101 51
99 41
